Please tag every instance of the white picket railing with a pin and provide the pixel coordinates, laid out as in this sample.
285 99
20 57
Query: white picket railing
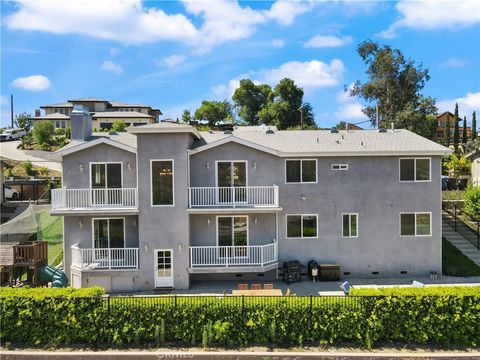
94 198
225 256
105 258
241 196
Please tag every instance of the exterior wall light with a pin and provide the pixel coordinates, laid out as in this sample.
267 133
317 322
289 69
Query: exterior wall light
304 198
207 165
255 165
208 221
80 167
80 223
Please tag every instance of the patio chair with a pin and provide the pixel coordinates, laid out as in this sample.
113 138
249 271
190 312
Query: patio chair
256 286
417 284
267 286
242 286
346 287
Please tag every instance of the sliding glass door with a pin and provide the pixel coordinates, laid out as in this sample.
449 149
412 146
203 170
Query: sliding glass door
106 176
232 231
232 181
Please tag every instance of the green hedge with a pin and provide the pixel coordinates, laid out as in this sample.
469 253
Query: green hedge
429 290
64 319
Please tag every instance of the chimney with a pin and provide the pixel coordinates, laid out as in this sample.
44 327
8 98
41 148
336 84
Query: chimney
81 123
37 112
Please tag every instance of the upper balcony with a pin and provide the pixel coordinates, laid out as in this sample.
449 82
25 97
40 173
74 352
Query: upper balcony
233 197
96 201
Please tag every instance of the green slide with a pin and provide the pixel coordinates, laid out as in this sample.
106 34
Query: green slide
48 274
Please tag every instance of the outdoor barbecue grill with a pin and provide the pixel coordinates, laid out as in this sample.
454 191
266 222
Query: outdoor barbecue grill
292 271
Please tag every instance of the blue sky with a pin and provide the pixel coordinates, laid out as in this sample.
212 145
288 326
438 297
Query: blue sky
172 55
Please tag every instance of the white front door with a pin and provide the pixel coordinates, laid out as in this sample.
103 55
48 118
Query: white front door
163 268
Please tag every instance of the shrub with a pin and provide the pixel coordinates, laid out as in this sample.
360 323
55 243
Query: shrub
64 316
119 126
28 167
472 201
43 132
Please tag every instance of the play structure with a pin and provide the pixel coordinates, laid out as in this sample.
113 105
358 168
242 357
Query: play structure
32 257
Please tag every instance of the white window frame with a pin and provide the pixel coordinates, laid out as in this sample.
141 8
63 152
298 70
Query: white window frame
349 225
339 167
301 226
301 171
415 169
415 213
106 173
108 227
231 163
233 233
173 183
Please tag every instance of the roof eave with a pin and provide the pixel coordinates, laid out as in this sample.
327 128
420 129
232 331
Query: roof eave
159 130
89 144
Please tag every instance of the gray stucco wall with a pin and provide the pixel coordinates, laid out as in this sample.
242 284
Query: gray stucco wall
75 178
370 187
203 234
163 227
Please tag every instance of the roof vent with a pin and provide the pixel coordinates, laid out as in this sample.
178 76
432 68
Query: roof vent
382 130
269 131
228 132
334 131
112 133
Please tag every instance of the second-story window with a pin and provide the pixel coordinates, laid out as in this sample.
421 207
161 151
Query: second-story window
106 175
417 169
162 182
301 171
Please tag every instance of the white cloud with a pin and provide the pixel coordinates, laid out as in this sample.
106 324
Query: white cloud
466 104
32 83
320 41
309 74
171 61
220 22
454 63
433 14
110 66
278 43
349 108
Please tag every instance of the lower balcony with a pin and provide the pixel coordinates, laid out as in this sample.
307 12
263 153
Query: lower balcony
104 258
222 259
76 201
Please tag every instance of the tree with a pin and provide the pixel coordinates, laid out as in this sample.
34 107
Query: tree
456 132
474 126
419 118
472 200
186 116
464 133
119 126
283 109
446 132
249 99
342 125
43 132
214 111
23 121
394 83
458 165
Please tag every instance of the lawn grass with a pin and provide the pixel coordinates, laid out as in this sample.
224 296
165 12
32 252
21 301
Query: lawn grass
51 230
455 263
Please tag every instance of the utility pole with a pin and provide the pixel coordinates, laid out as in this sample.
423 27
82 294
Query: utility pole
301 116
11 108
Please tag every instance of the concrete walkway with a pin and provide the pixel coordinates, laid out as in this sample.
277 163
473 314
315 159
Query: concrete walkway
461 243
8 149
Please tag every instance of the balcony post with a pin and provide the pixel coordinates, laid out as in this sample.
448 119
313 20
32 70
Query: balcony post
109 258
262 259
234 200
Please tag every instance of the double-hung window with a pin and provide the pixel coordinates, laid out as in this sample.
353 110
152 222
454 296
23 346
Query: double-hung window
161 174
302 226
415 224
301 171
415 169
350 225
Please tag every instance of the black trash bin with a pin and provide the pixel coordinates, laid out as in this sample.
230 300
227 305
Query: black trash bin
313 272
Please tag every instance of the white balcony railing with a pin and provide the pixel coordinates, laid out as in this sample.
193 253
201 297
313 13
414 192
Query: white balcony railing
244 196
106 258
225 256
94 198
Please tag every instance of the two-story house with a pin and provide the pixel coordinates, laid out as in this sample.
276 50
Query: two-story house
104 113
165 205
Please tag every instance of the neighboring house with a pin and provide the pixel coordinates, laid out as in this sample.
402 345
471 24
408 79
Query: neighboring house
104 113
441 124
164 205
474 156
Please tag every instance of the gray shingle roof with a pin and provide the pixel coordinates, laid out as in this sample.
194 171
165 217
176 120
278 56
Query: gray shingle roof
54 116
318 142
118 114
62 105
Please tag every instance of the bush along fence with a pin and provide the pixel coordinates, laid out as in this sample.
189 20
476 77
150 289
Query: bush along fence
85 317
